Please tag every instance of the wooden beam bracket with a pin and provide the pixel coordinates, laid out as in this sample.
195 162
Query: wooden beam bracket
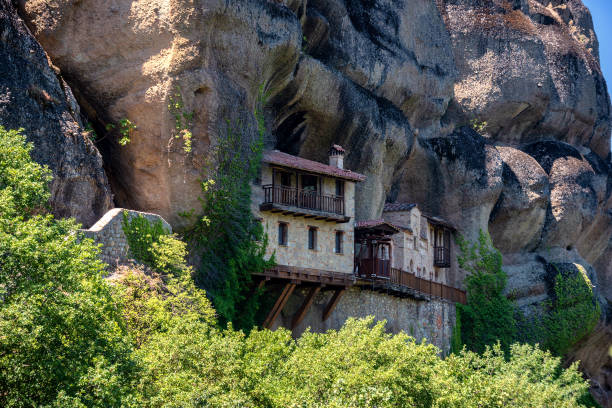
279 305
333 302
301 313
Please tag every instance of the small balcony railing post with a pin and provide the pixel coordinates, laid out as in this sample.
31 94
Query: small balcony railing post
310 200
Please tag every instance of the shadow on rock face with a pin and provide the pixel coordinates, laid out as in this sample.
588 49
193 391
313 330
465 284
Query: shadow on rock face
34 97
518 217
577 214
311 115
458 177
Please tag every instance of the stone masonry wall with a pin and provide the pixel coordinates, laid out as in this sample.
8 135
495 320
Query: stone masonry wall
108 231
296 252
432 320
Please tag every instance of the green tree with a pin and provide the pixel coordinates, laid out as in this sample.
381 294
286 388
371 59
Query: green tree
62 337
488 316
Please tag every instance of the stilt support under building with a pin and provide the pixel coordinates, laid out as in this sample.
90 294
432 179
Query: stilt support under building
301 313
279 305
333 302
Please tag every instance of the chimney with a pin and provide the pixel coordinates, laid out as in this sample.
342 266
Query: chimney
336 156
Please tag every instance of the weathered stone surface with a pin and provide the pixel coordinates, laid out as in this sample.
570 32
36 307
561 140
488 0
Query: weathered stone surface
34 97
398 50
577 198
432 320
562 95
313 113
458 177
108 231
217 53
518 217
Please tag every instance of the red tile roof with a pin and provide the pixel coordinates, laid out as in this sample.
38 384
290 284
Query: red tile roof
376 223
294 162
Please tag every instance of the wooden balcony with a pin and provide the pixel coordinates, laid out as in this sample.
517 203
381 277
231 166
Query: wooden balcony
405 284
442 257
309 204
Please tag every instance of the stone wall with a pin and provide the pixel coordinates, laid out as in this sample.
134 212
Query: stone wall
432 320
108 231
296 252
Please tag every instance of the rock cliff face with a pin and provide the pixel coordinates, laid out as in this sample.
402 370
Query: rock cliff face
396 82
34 97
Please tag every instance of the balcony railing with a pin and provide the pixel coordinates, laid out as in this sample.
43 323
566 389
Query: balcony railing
426 286
442 257
405 281
310 200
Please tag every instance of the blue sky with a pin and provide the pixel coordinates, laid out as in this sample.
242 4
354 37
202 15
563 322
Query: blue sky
601 10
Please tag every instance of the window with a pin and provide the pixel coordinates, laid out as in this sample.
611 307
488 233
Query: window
340 188
282 233
309 183
285 179
339 242
312 238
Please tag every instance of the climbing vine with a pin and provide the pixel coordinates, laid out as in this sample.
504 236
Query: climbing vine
571 313
491 316
183 120
231 243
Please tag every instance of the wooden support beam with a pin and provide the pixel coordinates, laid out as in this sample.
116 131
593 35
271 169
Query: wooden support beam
333 302
279 305
301 313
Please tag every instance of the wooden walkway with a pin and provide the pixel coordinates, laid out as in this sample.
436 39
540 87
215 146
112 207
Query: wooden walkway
399 283
405 284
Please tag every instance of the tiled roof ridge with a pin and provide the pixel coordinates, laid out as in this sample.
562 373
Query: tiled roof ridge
389 207
286 160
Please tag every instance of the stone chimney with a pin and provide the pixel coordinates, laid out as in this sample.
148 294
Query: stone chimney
336 156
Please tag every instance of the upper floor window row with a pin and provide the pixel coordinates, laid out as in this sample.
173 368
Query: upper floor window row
283 238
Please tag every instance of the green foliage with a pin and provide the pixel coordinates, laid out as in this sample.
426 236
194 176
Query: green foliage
93 136
23 183
488 316
525 376
189 362
479 126
62 338
572 313
126 130
183 120
141 235
456 344
230 241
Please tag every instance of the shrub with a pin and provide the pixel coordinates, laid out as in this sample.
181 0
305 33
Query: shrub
152 245
572 313
488 316
63 340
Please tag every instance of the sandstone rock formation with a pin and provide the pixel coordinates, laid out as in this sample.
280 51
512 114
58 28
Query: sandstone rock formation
215 55
396 83
35 98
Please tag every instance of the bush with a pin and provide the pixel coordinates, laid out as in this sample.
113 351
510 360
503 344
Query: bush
152 245
488 316
572 313
62 334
